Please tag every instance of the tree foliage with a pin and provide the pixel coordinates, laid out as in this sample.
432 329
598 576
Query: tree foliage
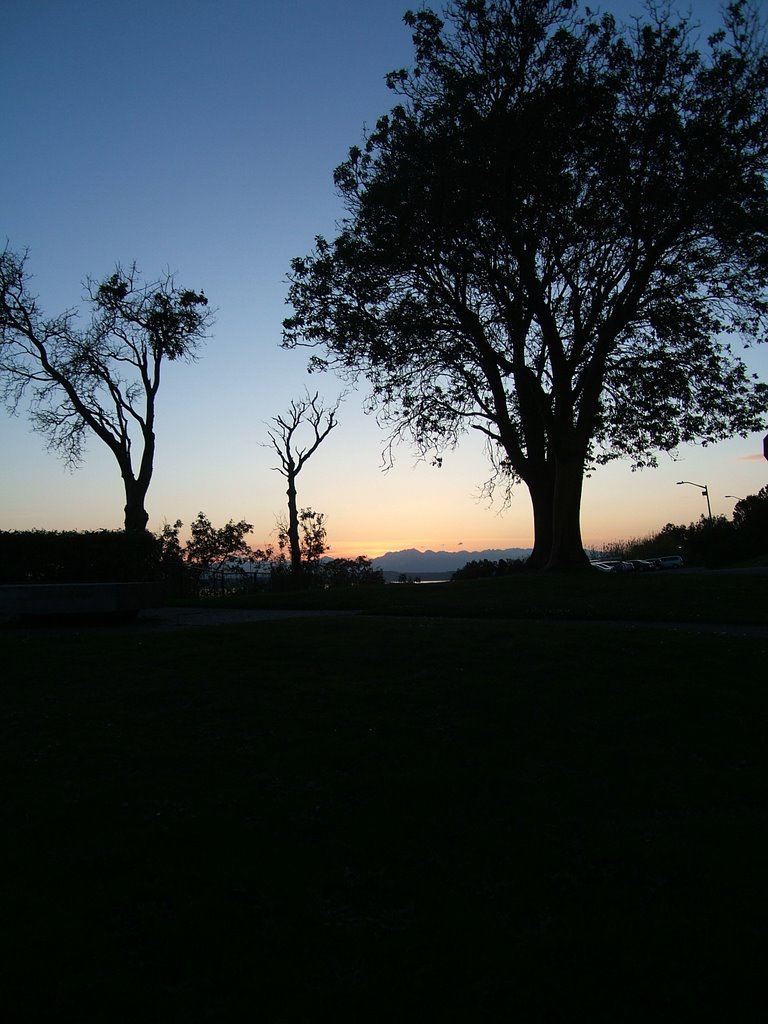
556 238
101 379
709 541
351 572
209 553
750 518
486 568
312 537
210 548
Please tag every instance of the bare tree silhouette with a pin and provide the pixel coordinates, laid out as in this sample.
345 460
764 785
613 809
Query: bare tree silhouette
296 436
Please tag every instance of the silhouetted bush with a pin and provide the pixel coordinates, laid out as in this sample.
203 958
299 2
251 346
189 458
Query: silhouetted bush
214 562
218 561
487 568
350 572
710 542
750 519
43 556
332 572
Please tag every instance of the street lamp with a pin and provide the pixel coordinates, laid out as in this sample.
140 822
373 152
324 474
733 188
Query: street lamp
704 492
735 496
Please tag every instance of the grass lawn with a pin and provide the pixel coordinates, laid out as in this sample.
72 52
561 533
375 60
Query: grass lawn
382 818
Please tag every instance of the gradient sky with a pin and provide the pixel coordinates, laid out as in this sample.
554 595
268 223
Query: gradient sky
201 136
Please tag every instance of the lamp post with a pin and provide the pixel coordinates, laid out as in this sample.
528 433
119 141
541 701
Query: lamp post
735 496
704 492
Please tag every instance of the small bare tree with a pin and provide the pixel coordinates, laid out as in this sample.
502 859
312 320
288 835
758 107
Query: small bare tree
296 436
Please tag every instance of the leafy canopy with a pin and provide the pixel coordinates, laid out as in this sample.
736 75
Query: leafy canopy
556 237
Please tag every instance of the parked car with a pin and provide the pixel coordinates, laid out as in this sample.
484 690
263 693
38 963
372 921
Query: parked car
668 562
642 564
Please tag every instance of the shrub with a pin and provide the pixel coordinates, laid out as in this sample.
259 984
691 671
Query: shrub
350 572
486 568
43 556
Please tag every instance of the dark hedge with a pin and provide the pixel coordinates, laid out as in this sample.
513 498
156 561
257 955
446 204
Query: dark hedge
41 556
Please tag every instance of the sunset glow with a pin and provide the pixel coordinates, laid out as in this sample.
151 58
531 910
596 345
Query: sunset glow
220 168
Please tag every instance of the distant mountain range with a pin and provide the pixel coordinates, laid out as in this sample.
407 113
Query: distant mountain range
418 562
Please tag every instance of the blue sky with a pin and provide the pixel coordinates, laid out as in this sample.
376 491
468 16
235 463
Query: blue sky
201 137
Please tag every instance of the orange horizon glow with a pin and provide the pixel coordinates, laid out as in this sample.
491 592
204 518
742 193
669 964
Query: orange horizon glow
375 549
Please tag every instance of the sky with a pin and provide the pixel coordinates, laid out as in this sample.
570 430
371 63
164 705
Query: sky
200 136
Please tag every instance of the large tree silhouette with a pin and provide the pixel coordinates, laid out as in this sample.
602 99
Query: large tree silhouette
554 239
102 379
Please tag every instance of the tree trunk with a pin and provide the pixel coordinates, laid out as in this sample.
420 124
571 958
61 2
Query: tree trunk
293 527
136 486
136 517
541 492
567 550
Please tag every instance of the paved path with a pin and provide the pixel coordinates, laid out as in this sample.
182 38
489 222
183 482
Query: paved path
159 620
186 618
169 619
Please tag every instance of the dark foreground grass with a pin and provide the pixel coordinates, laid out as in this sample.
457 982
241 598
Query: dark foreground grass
382 819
